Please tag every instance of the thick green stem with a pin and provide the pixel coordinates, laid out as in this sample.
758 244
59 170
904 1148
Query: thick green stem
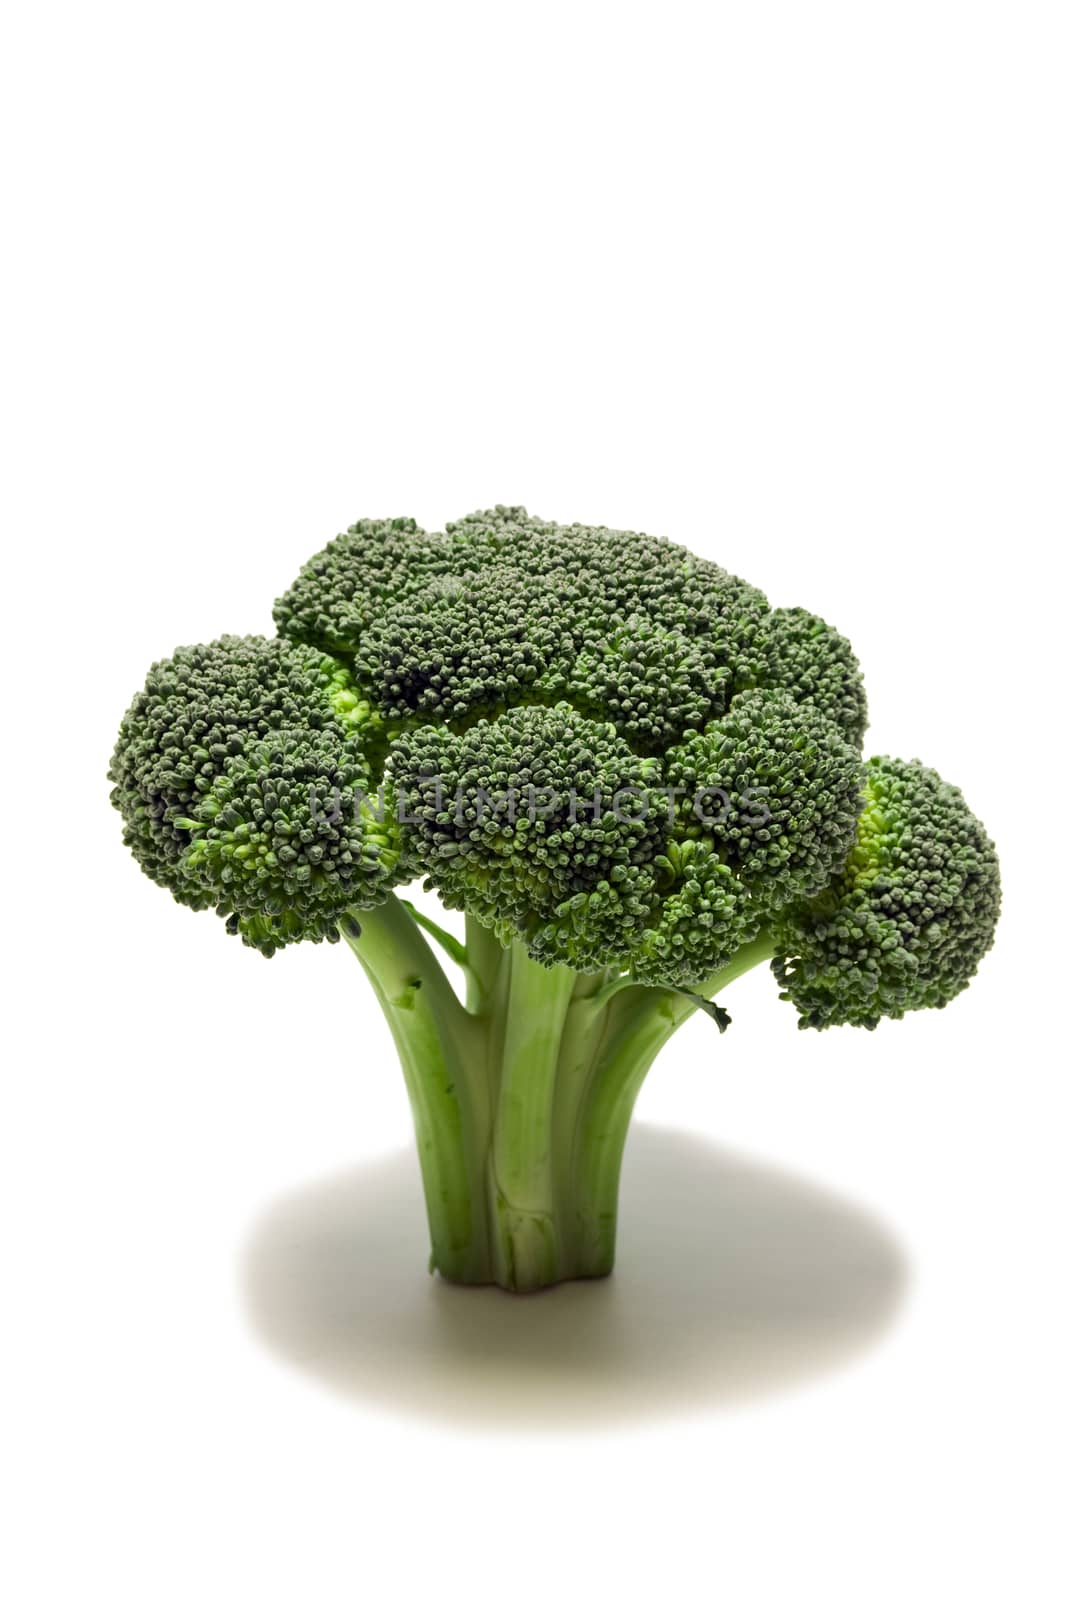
521 1098
584 1039
521 1176
640 1023
443 1067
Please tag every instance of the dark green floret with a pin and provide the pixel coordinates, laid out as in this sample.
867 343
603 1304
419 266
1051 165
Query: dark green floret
704 915
238 772
541 824
650 682
812 661
775 788
505 609
365 570
904 926
464 646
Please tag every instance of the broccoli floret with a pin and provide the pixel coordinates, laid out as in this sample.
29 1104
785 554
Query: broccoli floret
239 772
704 915
539 823
776 787
462 646
658 636
505 609
905 924
634 778
371 566
651 682
765 803
816 665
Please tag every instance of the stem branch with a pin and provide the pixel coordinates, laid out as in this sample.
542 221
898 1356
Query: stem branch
443 1076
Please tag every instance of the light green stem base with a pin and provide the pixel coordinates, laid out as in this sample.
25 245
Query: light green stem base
521 1097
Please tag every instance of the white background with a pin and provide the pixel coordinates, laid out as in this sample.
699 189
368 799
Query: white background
788 283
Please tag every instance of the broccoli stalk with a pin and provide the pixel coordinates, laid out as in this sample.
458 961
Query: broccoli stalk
522 1097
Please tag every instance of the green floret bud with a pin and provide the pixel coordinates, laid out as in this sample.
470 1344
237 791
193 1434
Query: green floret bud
651 682
776 790
541 824
464 646
355 578
240 772
605 576
816 665
905 924
659 636
505 609
704 915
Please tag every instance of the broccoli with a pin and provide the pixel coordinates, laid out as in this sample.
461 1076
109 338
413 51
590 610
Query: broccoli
636 780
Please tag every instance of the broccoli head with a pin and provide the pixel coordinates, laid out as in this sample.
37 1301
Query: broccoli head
633 776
